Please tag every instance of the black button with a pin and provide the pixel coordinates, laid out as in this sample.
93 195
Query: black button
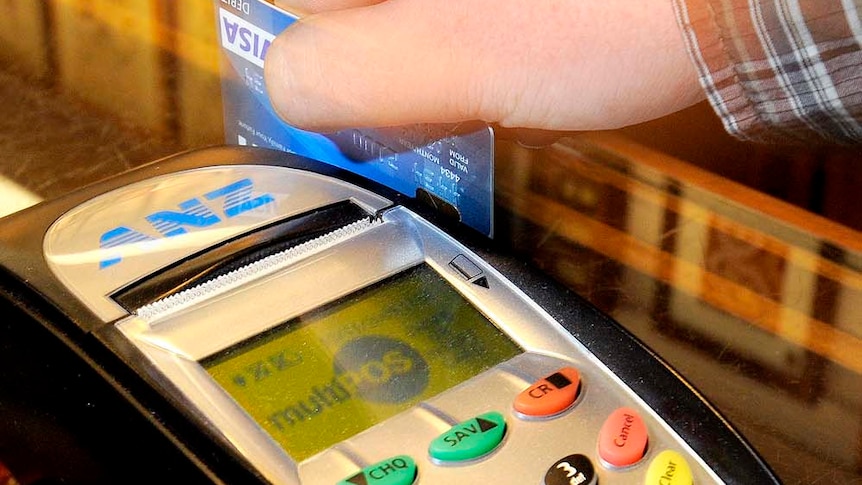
572 470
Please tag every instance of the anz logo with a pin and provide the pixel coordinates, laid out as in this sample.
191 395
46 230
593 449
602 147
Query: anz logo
236 199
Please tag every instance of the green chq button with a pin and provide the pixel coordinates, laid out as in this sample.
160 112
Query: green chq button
470 439
398 470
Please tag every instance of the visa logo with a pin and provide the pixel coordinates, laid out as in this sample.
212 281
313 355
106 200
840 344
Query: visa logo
244 38
233 200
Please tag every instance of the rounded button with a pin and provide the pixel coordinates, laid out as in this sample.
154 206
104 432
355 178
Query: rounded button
669 468
470 439
398 470
623 438
571 470
550 395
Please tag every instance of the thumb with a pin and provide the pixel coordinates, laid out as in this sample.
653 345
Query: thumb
379 65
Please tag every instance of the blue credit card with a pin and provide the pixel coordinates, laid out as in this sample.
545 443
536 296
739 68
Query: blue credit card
449 165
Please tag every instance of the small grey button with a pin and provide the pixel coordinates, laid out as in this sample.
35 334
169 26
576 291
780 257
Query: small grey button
467 268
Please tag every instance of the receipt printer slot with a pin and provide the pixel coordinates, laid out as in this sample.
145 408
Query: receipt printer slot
238 252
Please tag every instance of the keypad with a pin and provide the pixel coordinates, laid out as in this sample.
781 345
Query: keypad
551 422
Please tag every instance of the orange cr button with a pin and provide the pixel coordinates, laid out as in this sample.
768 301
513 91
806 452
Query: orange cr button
550 395
623 438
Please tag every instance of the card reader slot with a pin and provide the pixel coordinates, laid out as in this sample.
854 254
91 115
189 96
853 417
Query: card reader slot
238 252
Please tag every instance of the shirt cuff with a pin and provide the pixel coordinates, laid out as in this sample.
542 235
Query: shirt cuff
777 72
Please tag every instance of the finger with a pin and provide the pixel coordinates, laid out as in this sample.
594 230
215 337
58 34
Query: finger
564 66
329 71
386 64
316 6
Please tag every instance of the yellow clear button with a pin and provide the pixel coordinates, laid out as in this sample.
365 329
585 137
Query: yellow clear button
669 468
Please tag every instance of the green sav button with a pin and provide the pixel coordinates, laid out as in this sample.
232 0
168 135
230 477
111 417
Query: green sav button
398 470
470 439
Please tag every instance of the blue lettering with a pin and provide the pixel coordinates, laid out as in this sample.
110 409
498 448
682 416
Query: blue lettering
237 198
245 39
192 214
249 41
231 30
266 44
119 236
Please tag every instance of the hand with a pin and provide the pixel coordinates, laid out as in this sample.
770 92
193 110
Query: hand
544 64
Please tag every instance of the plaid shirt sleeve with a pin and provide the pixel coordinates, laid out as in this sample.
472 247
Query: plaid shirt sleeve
779 70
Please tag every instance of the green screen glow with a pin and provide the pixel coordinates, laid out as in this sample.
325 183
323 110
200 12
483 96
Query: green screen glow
322 377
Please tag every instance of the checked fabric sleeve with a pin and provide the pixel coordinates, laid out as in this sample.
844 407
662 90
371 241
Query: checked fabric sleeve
779 70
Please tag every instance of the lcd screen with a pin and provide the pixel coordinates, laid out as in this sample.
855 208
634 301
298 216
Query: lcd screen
324 376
